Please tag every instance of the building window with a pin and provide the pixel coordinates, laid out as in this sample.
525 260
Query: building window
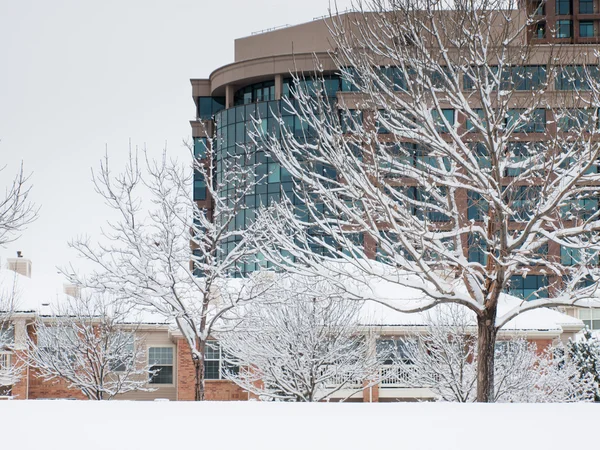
199 187
258 92
529 288
160 359
419 199
564 28
586 28
539 8
448 115
586 6
540 30
519 78
564 7
209 106
392 351
523 78
524 156
200 147
215 365
7 336
523 201
582 209
575 78
577 256
584 119
590 317
469 123
477 250
477 207
4 361
351 120
382 115
535 122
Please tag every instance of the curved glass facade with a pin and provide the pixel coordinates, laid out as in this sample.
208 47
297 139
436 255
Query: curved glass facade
233 138
233 130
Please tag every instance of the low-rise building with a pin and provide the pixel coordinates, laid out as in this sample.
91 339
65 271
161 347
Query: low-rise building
33 302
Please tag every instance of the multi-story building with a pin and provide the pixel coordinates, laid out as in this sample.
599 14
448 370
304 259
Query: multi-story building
257 83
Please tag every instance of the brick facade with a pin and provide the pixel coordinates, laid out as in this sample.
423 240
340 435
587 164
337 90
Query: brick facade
214 389
32 386
185 372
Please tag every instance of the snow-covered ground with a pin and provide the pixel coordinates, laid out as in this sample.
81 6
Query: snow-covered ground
115 425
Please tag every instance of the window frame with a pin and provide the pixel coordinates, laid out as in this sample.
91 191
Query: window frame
5 356
594 316
587 24
586 9
541 289
400 347
561 32
221 361
152 366
564 7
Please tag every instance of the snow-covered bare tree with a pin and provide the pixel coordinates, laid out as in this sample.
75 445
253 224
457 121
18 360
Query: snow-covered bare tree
463 156
9 372
16 209
301 341
94 345
444 358
16 212
585 352
167 254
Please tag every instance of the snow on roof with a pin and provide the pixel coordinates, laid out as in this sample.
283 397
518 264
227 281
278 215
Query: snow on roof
542 319
394 294
65 425
31 294
43 295
39 295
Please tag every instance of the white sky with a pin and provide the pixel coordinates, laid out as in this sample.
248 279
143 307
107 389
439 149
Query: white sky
77 76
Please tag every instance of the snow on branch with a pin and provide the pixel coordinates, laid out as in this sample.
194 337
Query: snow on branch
93 344
16 209
170 255
300 342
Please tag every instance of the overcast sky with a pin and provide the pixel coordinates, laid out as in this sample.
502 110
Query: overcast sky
79 76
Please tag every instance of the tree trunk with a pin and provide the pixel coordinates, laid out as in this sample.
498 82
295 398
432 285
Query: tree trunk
486 342
199 373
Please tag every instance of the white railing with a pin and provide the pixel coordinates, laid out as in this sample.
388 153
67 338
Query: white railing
393 376
405 376
338 379
268 30
389 377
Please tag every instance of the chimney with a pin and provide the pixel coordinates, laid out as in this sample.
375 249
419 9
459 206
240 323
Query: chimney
72 290
20 265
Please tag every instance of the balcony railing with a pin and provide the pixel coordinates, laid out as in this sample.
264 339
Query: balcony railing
394 376
340 378
389 377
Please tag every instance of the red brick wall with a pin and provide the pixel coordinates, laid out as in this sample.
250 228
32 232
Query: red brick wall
542 344
214 389
220 390
38 388
185 372
19 389
370 394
